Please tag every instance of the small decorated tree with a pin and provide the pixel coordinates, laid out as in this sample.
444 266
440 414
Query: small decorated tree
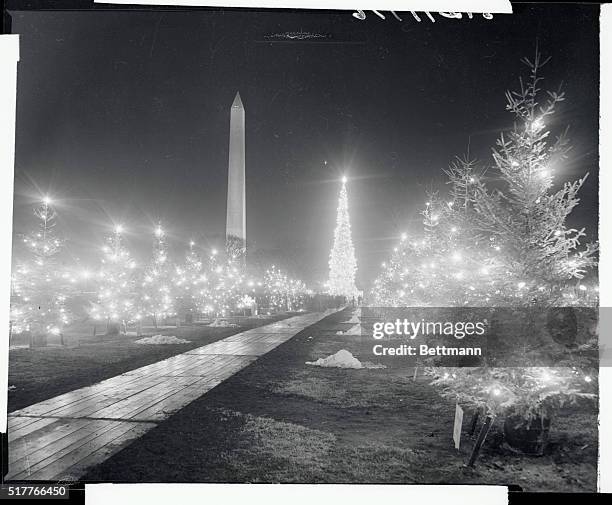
190 283
224 292
157 290
447 265
540 260
116 303
39 288
283 292
206 293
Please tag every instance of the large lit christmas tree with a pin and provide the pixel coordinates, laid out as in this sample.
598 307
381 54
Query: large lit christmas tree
342 262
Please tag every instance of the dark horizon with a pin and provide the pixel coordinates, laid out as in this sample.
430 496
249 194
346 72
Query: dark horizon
124 118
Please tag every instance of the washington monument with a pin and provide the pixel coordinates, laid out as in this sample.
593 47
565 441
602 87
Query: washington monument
235 228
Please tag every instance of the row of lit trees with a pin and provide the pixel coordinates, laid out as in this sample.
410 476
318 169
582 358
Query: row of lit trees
121 292
500 238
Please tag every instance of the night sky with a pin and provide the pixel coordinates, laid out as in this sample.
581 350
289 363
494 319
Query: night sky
123 117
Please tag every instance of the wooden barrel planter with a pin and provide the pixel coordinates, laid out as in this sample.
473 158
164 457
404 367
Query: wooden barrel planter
524 437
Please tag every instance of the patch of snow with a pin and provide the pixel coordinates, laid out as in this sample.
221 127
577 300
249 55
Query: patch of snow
161 340
220 323
343 359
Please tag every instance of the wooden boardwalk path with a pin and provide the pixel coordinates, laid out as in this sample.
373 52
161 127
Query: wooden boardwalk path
60 438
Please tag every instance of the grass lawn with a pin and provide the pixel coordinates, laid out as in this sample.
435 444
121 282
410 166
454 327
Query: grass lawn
45 372
281 421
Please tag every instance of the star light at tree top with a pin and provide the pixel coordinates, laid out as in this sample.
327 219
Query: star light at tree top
342 262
